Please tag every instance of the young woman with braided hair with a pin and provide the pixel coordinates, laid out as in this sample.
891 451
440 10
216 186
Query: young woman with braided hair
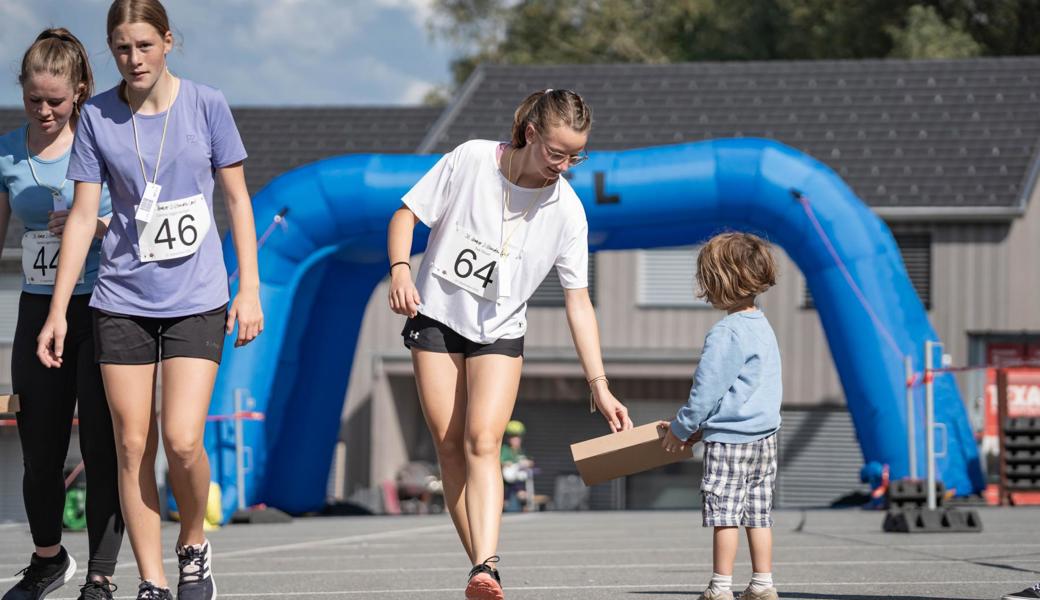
501 217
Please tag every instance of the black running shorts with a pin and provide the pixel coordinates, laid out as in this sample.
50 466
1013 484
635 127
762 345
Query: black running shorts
423 333
133 340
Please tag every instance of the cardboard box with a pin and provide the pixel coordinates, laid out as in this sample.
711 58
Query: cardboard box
9 404
623 453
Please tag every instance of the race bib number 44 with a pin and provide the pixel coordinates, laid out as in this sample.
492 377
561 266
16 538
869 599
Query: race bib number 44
471 264
40 258
176 229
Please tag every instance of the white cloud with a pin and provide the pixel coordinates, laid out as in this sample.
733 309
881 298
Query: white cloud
416 91
18 27
267 52
419 10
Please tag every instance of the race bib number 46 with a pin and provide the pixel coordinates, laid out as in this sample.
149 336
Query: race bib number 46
470 264
176 229
40 257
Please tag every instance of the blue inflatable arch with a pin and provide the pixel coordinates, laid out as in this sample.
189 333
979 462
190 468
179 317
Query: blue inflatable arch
318 275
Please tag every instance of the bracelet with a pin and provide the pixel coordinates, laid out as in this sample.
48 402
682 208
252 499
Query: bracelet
401 262
592 397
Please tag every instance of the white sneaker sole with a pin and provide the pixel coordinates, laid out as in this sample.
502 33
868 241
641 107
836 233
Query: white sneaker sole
70 572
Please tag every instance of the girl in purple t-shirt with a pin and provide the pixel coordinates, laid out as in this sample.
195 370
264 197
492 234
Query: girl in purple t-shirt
162 291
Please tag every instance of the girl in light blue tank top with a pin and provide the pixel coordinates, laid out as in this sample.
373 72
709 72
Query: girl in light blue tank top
56 81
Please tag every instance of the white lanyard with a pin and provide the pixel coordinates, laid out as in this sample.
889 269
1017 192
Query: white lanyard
137 144
506 195
150 197
57 202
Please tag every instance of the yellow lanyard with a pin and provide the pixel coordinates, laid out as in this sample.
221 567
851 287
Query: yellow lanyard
504 251
137 144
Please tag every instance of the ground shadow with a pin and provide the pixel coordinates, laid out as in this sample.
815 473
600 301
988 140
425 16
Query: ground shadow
789 595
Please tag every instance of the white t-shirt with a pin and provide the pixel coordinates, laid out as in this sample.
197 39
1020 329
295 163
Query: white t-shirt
463 197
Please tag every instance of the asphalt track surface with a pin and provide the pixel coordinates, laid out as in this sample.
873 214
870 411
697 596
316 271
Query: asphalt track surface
818 554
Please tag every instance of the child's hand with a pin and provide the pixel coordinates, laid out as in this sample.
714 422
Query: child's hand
670 443
673 444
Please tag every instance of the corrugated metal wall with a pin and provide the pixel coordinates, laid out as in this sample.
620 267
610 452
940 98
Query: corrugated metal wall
819 458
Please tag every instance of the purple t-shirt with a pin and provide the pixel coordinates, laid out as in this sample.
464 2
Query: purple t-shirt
201 136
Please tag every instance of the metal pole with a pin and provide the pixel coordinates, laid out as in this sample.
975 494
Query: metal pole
911 441
929 422
240 474
1002 423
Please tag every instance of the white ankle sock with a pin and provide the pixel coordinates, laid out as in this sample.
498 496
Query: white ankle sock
761 582
721 583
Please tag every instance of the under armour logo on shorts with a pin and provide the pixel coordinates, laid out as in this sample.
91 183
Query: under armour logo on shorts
414 334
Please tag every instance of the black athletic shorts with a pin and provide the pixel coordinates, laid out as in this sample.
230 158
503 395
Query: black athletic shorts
423 333
133 340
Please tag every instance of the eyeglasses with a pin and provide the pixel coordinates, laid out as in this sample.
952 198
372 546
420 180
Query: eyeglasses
557 157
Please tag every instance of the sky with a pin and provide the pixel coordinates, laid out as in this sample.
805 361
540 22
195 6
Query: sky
260 52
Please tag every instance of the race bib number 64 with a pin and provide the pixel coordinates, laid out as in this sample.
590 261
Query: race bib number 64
176 229
471 264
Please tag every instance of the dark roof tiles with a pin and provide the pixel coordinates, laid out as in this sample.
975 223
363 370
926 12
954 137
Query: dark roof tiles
968 128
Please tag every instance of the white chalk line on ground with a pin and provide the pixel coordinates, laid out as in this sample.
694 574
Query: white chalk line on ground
514 568
546 588
349 539
218 555
522 568
705 548
233 556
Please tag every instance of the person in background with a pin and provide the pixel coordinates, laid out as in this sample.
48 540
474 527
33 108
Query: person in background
516 467
56 81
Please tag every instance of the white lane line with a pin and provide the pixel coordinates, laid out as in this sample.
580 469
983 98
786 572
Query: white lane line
350 539
522 568
242 554
705 549
514 568
545 588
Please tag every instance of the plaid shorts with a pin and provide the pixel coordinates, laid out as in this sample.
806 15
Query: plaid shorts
738 483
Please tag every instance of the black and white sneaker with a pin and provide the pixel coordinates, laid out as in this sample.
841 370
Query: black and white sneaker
97 589
196 581
149 591
42 577
1030 593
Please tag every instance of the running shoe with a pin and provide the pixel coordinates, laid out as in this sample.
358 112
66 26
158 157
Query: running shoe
710 594
40 578
149 591
196 581
1030 593
484 582
97 589
766 594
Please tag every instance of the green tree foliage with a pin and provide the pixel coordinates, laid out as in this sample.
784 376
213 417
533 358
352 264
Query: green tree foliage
926 35
661 31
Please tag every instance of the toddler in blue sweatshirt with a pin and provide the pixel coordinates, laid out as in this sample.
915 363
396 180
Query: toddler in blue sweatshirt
734 407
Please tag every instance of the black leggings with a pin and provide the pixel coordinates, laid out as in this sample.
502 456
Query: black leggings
48 397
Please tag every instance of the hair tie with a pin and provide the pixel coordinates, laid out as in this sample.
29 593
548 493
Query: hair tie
61 37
